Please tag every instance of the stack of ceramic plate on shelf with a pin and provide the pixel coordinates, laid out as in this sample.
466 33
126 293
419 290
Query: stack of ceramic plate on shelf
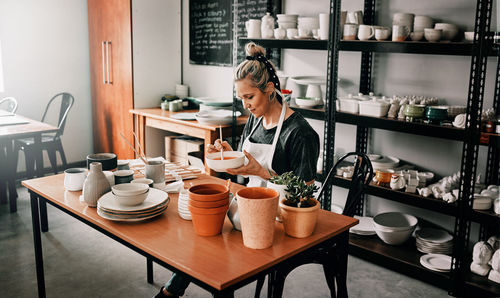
436 262
155 204
365 226
182 205
434 241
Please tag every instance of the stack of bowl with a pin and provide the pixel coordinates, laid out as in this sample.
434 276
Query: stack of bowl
182 205
394 228
130 194
287 21
208 204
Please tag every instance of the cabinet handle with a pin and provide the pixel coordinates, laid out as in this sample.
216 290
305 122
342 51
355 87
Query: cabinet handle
108 60
103 70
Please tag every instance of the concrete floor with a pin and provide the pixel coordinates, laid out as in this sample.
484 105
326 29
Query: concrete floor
81 262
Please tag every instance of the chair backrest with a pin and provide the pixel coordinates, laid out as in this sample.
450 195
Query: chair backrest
66 104
10 103
362 175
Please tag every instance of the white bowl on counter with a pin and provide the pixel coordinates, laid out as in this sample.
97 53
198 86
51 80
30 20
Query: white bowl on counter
374 107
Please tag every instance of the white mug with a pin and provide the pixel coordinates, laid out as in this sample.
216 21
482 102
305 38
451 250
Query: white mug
253 28
291 33
382 34
74 178
400 33
365 32
324 25
350 31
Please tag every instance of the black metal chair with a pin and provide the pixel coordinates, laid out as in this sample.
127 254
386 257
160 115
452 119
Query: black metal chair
9 104
50 142
333 254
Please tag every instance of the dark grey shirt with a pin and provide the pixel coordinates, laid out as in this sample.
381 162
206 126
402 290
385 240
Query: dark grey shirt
297 149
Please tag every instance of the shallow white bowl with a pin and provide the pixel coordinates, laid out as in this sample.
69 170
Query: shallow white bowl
308 101
394 221
394 237
214 162
132 200
129 189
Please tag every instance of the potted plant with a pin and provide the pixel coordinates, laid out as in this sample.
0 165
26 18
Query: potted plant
299 209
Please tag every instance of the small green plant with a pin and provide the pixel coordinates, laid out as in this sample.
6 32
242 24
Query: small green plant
299 194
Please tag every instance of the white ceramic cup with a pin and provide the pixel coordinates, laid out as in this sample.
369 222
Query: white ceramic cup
303 32
155 170
291 33
74 178
324 24
400 33
382 34
350 31
365 32
279 33
253 28
433 35
403 19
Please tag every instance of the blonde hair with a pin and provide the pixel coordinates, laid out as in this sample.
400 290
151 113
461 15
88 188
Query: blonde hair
255 70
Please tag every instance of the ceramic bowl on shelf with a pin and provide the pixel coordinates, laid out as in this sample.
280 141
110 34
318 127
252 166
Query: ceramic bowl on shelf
436 112
394 228
308 101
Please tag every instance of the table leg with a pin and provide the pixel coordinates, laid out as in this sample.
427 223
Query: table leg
3 174
342 252
140 131
37 146
149 265
43 216
210 137
11 180
37 241
228 294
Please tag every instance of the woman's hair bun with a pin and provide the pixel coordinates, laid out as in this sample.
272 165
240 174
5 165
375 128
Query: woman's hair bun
253 50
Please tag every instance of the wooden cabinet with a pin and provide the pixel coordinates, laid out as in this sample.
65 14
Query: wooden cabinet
110 42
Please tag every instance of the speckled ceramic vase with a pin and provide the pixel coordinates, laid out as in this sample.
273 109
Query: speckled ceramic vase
95 185
257 209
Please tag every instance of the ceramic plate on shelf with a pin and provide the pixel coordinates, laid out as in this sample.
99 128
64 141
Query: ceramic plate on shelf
436 262
433 235
309 80
155 198
215 101
184 116
364 227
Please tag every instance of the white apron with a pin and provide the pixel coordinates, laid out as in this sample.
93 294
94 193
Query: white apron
263 153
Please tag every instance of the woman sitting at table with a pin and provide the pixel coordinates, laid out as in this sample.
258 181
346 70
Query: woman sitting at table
275 139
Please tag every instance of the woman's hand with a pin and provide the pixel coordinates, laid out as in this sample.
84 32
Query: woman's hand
218 144
252 168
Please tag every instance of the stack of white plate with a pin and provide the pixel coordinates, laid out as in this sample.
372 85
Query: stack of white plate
365 226
436 262
182 205
155 204
287 21
434 241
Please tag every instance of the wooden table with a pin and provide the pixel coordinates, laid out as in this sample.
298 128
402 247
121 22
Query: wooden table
161 119
219 264
8 133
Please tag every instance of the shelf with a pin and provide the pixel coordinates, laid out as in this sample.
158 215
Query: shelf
304 44
445 132
312 113
480 286
485 216
401 258
409 47
412 199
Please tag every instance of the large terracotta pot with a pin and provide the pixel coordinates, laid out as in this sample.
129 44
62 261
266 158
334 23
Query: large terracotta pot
208 221
257 211
299 222
208 192
209 204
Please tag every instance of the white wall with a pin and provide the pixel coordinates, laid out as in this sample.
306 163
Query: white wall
45 51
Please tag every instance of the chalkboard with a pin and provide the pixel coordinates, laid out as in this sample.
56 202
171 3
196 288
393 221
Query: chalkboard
211 32
212 24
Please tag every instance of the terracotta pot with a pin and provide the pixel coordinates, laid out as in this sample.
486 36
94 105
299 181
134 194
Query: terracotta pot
299 222
208 192
208 221
208 204
257 210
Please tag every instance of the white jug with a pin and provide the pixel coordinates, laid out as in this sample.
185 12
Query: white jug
253 28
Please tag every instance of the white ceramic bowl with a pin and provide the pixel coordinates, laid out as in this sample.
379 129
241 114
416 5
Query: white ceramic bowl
308 101
394 237
287 25
287 17
132 200
450 31
433 35
394 221
237 159
129 189
469 35
146 181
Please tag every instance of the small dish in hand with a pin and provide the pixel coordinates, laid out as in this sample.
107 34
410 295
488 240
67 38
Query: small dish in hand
232 159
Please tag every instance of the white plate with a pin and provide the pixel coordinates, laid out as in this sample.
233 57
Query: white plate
309 80
433 235
364 227
103 215
215 101
184 116
436 262
155 198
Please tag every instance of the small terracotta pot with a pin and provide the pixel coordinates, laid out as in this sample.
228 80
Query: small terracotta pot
208 204
257 209
208 192
208 221
299 222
